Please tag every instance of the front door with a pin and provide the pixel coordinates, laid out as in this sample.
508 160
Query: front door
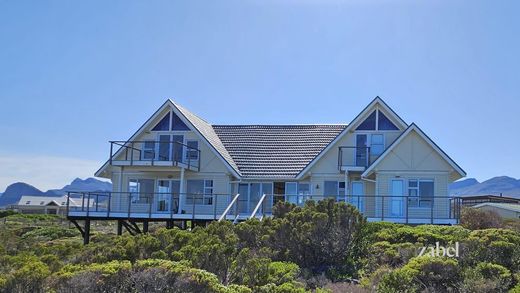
167 197
358 192
396 199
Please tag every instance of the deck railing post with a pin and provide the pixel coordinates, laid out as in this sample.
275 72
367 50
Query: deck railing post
88 204
171 205
109 203
174 159
129 203
382 208
132 153
431 212
82 201
151 197
406 203
111 151
188 154
68 202
215 206
193 207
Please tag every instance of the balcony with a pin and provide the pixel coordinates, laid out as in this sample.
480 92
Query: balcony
154 153
351 158
234 207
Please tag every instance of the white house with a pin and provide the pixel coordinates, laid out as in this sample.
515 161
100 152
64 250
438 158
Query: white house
177 166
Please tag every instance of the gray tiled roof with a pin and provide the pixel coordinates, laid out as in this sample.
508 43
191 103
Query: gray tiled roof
270 151
208 133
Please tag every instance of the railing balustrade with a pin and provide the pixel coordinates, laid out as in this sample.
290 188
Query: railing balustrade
403 209
151 152
352 156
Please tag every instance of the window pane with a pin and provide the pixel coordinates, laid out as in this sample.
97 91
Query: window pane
303 188
384 123
369 123
377 139
195 190
290 188
426 188
412 183
164 124
178 124
149 150
192 152
330 188
376 149
377 145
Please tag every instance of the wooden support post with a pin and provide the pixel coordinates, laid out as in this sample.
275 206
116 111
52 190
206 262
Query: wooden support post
145 226
86 236
119 227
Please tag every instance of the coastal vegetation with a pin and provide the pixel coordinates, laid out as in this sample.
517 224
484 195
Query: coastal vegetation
322 247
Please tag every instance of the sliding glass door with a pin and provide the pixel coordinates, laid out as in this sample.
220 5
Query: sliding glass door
250 195
170 147
167 197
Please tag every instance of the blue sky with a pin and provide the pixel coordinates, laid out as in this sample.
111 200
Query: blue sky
75 74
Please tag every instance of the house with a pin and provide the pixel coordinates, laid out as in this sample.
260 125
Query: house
52 205
504 210
179 167
472 200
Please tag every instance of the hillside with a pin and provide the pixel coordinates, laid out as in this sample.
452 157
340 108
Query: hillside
14 192
502 184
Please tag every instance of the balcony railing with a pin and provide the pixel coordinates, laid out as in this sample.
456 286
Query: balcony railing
154 153
186 206
353 157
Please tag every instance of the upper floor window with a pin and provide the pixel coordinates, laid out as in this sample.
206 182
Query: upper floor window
148 150
170 122
377 144
192 153
377 121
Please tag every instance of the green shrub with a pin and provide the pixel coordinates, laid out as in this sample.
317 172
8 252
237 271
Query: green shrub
423 273
475 219
487 277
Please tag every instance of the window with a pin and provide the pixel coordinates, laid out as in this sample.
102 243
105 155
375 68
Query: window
176 123
141 190
420 193
333 189
377 121
192 153
377 144
164 124
200 191
369 123
28 202
383 123
296 192
148 150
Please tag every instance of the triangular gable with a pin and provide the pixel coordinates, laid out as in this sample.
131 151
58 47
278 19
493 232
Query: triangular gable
199 126
372 106
413 128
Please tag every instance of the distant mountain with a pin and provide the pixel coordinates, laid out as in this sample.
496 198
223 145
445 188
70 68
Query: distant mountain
504 185
89 184
14 192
